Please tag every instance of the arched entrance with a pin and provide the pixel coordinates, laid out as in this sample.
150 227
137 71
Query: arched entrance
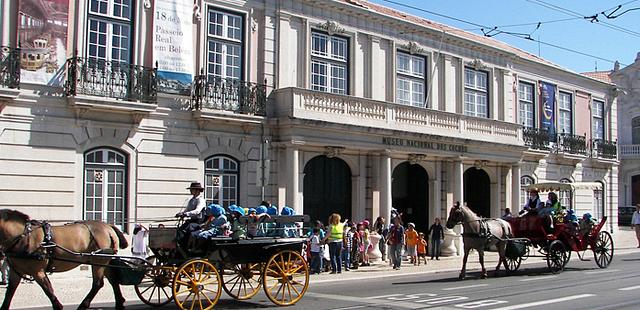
477 191
635 189
410 194
327 188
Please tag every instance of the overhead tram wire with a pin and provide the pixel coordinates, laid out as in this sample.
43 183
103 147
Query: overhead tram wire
521 36
593 18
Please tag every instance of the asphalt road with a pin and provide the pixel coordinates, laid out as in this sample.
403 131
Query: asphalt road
581 286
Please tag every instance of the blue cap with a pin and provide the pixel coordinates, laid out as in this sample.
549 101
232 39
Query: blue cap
252 210
234 208
216 210
272 210
261 210
287 211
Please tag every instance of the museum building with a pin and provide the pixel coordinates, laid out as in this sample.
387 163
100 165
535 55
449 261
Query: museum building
325 106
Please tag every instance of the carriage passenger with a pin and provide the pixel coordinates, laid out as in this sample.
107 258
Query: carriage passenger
254 222
215 224
289 230
262 227
272 228
238 230
532 204
586 223
192 213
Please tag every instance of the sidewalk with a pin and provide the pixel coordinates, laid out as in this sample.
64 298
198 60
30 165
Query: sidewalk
71 287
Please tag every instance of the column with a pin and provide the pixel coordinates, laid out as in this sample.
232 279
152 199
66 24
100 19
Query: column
458 183
293 179
9 23
496 194
515 189
435 192
385 186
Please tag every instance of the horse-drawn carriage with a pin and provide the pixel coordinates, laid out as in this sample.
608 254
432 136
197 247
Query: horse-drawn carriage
193 279
239 267
556 242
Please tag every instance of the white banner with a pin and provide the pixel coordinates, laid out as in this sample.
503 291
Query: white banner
173 45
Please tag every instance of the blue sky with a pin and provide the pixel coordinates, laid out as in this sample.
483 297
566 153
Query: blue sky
578 34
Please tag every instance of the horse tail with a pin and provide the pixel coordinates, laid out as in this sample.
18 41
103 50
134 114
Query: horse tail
122 240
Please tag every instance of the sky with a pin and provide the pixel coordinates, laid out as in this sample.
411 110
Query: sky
562 24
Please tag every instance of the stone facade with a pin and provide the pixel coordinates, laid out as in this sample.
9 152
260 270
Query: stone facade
381 154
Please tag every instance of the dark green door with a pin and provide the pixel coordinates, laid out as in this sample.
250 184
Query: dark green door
327 188
477 191
410 194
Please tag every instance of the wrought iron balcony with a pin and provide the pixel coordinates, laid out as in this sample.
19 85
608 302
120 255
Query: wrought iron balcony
572 144
228 95
9 67
111 79
536 138
604 149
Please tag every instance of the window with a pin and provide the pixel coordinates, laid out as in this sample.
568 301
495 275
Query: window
525 96
598 203
565 107
564 196
525 181
635 133
410 79
475 93
597 113
329 57
109 30
221 175
105 176
224 45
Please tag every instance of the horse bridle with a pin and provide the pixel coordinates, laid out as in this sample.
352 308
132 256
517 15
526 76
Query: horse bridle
9 244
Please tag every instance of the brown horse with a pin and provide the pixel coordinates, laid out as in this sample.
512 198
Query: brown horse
21 239
479 234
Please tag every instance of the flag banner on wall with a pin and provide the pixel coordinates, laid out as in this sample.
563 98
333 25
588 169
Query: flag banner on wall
547 109
42 33
173 45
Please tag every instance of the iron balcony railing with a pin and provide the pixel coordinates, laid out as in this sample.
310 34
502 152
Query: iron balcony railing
536 138
233 95
111 79
572 144
9 67
604 149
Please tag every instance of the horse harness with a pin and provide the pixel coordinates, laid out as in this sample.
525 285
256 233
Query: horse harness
485 230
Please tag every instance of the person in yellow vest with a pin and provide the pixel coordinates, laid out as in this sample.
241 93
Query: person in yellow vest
334 240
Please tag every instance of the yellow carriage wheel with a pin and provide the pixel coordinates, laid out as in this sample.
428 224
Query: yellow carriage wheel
242 281
155 288
196 285
285 278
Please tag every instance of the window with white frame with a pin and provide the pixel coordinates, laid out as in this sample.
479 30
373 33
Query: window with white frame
597 122
109 33
527 106
329 63
225 33
105 177
475 93
565 109
598 203
525 181
221 175
410 79
564 196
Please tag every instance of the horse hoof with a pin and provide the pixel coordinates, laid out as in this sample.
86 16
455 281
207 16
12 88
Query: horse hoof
461 276
483 276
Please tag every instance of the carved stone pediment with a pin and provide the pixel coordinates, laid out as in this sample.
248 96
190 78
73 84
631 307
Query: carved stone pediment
331 27
413 48
333 151
416 158
477 64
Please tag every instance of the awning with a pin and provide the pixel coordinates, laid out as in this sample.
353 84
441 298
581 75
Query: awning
558 186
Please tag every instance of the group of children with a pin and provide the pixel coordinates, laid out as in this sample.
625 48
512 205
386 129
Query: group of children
416 245
221 222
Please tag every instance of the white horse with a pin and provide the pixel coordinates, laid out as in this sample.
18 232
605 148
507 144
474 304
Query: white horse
480 234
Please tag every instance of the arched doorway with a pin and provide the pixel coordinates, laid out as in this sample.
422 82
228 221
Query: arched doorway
327 188
477 191
410 194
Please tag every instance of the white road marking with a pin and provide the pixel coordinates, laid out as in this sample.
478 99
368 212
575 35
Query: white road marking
463 287
537 278
601 271
545 302
384 296
629 288
354 307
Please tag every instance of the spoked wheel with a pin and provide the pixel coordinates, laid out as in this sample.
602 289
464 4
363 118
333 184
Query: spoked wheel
155 288
603 250
556 256
242 281
512 264
196 285
285 278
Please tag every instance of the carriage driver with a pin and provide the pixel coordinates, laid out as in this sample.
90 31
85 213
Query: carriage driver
193 211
